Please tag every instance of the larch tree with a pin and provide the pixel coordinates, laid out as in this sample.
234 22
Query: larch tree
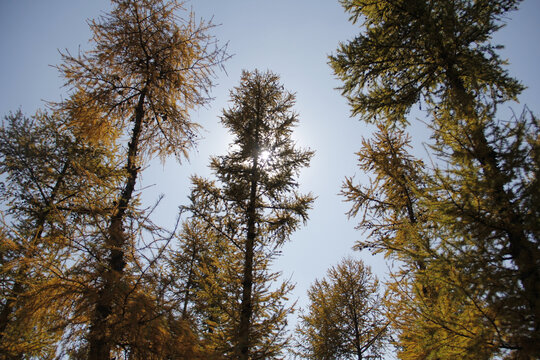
397 225
254 207
476 241
148 68
195 241
216 288
345 316
440 53
442 301
389 206
49 175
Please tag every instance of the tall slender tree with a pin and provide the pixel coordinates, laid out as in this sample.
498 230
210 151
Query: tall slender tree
444 301
255 206
476 238
147 70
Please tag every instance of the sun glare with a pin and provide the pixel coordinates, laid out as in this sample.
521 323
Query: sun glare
264 155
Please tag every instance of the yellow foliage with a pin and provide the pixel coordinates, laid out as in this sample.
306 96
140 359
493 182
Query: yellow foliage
88 119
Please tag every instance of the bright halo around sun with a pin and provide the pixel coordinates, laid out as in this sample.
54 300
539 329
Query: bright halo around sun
264 155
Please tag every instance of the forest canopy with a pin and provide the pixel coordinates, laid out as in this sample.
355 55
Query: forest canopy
90 268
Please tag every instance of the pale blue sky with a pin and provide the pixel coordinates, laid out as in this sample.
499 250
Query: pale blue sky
289 37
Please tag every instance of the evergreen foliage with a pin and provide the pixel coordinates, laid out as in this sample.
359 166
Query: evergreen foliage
249 213
344 319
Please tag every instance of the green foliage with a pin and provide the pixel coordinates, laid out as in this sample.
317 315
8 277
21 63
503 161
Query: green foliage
262 152
468 282
249 212
344 319
430 50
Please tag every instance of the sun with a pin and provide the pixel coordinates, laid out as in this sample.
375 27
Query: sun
264 155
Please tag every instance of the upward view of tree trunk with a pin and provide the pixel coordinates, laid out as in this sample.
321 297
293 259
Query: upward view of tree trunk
251 218
263 208
99 337
143 76
246 312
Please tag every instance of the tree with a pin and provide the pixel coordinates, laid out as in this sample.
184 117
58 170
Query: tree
195 243
439 53
344 319
477 242
442 301
148 69
254 208
389 206
435 51
49 175
209 295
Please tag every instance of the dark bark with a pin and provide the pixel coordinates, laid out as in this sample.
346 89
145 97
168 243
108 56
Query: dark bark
247 283
356 324
9 306
246 311
189 281
100 342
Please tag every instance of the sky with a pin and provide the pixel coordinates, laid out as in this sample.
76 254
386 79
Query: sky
292 38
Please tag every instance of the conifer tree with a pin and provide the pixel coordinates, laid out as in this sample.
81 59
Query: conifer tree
389 206
444 303
254 208
194 243
147 70
49 177
439 53
344 319
476 242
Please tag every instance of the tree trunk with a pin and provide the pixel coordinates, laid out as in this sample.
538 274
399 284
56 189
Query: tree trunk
525 253
189 281
100 342
9 306
356 324
246 311
247 283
